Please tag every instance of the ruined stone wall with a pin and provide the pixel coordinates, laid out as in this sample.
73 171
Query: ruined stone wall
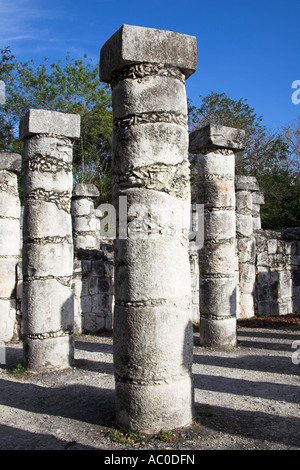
277 288
92 282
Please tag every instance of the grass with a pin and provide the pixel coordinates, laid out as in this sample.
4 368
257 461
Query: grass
130 437
19 371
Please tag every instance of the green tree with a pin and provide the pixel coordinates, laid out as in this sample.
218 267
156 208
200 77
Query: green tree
267 156
71 86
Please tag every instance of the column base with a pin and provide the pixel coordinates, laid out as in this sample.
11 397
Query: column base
218 333
48 353
149 408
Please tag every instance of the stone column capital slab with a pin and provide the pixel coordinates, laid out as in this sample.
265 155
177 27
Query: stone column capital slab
132 45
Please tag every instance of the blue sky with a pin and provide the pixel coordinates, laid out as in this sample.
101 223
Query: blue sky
246 48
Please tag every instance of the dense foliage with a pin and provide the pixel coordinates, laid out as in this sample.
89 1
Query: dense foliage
272 157
72 86
69 87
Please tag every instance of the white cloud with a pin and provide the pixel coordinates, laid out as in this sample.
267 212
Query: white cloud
24 20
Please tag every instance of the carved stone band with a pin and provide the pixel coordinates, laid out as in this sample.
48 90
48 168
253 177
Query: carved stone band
140 71
151 117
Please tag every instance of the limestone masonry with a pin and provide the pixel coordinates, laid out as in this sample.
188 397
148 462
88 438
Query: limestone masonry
147 280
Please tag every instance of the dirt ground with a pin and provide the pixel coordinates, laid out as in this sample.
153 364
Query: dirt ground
245 399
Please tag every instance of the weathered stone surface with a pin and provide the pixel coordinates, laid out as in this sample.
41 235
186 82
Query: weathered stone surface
10 237
11 162
85 190
44 220
215 136
166 405
215 146
218 333
151 170
215 293
36 303
136 146
137 45
247 183
140 277
216 194
7 318
219 225
134 97
47 262
39 121
48 352
7 277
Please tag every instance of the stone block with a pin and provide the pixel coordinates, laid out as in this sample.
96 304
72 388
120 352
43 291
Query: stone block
217 258
85 190
135 44
247 183
216 193
256 223
219 225
51 298
247 277
218 296
86 304
216 136
246 305
219 334
285 307
296 277
85 242
9 237
246 250
43 183
166 405
140 276
101 304
9 205
272 246
262 259
84 224
258 198
151 351
11 162
216 164
39 260
42 219
7 319
139 146
285 282
49 353
244 224
296 299
7 276
39 121
82 207
263 308
131 97
243 201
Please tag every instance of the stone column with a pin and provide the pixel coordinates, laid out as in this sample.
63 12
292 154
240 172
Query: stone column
152 318
47 238
10 166
85 231
245 187
216 146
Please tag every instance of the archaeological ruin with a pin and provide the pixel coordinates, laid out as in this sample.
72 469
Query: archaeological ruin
150 276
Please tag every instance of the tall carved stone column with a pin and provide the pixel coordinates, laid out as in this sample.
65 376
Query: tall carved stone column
216 146
152 318
10 166
47 237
